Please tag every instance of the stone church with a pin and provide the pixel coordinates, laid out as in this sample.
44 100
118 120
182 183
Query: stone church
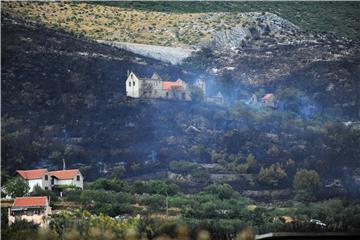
155 87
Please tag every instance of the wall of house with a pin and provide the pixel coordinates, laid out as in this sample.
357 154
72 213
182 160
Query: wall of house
63 181
157 91
38 219
33 182
44 184
80 183
133 86
73 181
41 219
179 95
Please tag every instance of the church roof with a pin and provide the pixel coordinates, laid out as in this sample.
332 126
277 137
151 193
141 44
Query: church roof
155 76
219 95
171 85
268 96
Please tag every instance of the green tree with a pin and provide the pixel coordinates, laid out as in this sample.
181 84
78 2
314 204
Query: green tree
38 191
117 171
17 187
273 174
155 202
222 191
306 182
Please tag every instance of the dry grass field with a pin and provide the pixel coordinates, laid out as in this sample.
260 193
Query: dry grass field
127 25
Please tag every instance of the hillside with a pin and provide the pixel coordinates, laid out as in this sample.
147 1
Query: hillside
183 24
271 144
340 18
127 25
275 55
64 96
53 81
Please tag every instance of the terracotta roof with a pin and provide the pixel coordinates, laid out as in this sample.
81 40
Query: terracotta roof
169 85
32 174
29 202
64 174
268 96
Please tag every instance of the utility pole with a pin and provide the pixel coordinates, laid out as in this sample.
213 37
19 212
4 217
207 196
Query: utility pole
65 141
167 205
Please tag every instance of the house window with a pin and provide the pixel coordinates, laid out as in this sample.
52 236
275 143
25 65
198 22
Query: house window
46 188
46 177
129 84
183 96
78 178
167 94
133 83
52 181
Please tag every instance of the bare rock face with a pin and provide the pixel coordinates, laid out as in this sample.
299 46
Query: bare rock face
257 25
173 55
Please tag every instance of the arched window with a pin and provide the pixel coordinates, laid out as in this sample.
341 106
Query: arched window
133 83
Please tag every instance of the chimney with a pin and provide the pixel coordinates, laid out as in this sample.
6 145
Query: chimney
128 73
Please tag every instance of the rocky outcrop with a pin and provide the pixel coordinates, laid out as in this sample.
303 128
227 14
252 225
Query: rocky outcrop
257 24
272 52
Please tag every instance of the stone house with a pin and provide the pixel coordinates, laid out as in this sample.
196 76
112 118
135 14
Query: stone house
32 209
155 87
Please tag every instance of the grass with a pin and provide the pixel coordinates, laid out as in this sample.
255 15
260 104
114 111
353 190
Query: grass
181 23
124 24
341 18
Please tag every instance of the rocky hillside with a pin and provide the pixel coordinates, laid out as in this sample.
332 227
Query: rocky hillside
271 53
63 96
179 24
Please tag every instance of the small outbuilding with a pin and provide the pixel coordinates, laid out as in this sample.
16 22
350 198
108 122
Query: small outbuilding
31 209
269 100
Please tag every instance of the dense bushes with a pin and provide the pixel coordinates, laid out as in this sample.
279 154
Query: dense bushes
306 182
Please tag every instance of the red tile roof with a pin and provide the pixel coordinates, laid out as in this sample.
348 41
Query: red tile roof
268 96
170 85
29 202
32 174
64 174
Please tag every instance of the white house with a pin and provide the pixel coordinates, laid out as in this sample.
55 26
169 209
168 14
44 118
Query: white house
31 209
36 177
71 177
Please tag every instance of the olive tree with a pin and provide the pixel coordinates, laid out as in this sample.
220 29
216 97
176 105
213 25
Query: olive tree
17 187
306 182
